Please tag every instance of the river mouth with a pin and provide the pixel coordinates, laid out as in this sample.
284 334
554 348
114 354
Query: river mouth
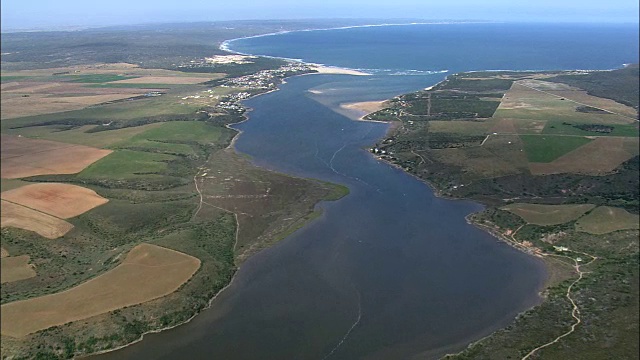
390 271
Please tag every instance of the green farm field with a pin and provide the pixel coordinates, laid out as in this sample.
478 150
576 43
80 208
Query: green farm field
604 219
542 149
126 164
96 78
563 128
539 214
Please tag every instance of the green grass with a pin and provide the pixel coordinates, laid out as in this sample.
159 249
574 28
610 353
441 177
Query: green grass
540 214
457 82
8 78
79 135
606 219
96 78
8 184
126 164
175 138
165 106
152 146
461 127
568 128
542 149
196 131
135 86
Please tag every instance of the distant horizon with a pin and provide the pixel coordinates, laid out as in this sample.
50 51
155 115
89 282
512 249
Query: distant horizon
75 14
374 21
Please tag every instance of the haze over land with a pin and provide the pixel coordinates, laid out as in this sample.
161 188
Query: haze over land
69 14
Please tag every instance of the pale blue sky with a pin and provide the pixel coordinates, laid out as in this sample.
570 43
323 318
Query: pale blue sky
57 13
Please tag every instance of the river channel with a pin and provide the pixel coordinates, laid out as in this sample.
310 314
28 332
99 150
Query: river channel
390 271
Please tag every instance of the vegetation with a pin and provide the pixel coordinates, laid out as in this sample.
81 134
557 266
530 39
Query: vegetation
96 78
169 181
620 85
548 214
606 219
488 159
549 148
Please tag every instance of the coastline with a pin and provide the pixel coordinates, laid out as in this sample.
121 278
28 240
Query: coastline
226 43
335 70
393 125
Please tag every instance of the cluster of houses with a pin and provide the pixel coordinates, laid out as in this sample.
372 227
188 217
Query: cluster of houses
231 102
266 79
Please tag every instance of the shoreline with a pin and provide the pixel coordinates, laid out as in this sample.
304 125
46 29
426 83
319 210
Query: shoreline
393 125
231 147
224 46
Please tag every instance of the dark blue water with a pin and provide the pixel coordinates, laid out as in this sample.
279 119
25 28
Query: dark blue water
458 47
390 271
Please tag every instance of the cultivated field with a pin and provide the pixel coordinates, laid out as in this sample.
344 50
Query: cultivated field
169 80
147 273
18 216
80 136
544 149
577 95
600 156
15 268
605 219
60 200
28 99
528 100
539 214
37 92
22 157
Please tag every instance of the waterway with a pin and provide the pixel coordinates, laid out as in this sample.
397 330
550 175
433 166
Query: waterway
388 272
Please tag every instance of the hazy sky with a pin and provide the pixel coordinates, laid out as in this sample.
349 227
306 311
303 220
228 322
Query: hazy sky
62 13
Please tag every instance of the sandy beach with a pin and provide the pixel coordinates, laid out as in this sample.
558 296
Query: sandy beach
336 70
366 106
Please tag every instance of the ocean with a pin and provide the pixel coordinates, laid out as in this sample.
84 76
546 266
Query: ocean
415 49
390 271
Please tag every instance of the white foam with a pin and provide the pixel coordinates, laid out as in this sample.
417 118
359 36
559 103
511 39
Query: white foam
226 46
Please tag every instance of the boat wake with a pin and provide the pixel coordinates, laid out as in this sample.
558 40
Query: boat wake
346 335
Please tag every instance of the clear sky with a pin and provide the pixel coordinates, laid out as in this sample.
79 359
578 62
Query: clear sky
68 13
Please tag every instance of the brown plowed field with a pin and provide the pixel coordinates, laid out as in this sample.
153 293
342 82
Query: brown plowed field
18 216
14 268
15 105
148 272
60 200
23 157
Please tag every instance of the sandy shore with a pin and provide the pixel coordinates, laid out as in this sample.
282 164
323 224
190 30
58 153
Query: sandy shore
358 110
366 106
336 70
